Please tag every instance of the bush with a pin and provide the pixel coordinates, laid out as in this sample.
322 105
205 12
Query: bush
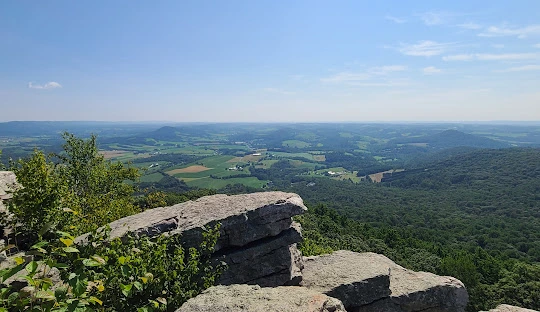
132 274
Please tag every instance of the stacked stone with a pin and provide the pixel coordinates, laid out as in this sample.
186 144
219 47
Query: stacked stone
257 235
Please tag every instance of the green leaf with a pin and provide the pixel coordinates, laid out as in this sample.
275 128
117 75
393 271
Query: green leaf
65 234
60 293
98 259
5 274
122 260
95 300
126 271
91 263
138 285
45 228
70 249
126 289
31 267
60 265
78 285
67 241
46 295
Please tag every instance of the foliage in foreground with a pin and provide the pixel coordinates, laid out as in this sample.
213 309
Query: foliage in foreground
78 179
128 274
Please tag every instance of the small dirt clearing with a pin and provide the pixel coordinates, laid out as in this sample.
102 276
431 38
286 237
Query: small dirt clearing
190 169
112 154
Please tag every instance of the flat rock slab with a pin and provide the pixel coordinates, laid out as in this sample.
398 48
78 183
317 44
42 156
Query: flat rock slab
509 308
354 278
239 298
244 218
417 291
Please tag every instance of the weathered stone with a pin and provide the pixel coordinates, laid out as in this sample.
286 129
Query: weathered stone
243 218
237 298
8 183
266 262
354 278
509 308
417 291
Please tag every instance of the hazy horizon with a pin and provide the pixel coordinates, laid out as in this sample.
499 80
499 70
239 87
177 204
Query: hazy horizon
270 61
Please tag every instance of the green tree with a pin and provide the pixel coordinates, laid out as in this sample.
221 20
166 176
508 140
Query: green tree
96 188
81 181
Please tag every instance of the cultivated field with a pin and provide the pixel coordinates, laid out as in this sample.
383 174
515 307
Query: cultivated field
190 169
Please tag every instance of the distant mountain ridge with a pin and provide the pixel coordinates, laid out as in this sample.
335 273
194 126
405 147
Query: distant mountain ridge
453 138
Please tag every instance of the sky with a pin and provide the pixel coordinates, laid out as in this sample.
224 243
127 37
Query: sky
270 61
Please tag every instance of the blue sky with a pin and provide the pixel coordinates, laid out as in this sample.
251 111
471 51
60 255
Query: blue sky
270 60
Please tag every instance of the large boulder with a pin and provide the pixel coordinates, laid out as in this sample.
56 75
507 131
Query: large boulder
509 308
257 236
372 282
354 278
238 298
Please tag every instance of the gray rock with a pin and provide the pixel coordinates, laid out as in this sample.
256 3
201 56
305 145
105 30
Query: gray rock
354 278
418 291
509 308
237 298
244 218
267 262
8 183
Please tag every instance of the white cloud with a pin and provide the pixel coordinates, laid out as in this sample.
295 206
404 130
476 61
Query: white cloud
430 70
537 45
498 46
424 48
396 20
469 25
491 57
522 68
502 31
347 77
434 17
277 91
372 72
48 85
458 57
506 57
383 70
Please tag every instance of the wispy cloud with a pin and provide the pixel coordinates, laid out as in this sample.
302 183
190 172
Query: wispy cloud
277 91
346 77
469 25
491 57
522 68
498 46
503 31
373 76
384 70
430 70
396 20
48 85
537 45
506 56
424 48
432 18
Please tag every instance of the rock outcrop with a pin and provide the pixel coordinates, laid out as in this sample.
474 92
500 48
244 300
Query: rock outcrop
372 282
509 308
7 184
257 236
238 298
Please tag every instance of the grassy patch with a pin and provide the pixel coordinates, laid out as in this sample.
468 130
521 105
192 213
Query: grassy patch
295 143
